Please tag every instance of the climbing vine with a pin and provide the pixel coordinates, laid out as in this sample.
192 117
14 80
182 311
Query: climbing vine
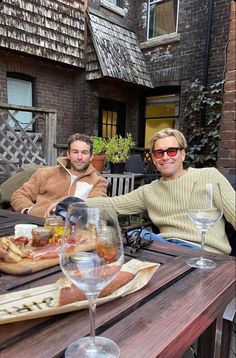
202 117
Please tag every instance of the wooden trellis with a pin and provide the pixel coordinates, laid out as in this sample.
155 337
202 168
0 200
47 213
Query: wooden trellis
20 144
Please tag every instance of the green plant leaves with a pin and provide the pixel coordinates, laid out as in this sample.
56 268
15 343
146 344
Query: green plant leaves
118 148
202 133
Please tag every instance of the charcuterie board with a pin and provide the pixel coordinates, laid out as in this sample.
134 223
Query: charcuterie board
29 265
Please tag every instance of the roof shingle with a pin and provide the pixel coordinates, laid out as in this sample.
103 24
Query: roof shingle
118 52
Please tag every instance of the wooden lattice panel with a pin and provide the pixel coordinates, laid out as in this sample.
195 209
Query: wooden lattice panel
17 145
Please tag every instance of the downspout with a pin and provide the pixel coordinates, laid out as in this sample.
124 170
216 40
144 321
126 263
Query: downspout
208 43
207 53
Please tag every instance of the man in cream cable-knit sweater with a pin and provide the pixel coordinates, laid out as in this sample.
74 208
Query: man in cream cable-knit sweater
166 200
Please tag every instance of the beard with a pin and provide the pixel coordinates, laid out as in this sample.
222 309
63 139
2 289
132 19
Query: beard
80 169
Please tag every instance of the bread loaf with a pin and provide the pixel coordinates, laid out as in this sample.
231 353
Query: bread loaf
70 293
9 252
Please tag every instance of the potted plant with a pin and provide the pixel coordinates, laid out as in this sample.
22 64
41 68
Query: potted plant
117 151
99 149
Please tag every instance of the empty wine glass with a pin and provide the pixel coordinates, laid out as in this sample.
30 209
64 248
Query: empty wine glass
91 271
205 209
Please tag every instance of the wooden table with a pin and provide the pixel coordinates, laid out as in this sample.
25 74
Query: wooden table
179 305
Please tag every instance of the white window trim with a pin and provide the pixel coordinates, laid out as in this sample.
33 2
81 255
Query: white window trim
118 10
148 22
160 40
28 101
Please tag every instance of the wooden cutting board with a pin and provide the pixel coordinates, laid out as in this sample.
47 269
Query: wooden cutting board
27 266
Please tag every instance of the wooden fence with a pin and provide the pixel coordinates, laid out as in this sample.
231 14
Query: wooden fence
29 143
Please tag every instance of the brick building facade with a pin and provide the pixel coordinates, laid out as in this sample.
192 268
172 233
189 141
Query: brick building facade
68 59
227 147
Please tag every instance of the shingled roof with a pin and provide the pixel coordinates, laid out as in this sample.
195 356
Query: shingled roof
118 52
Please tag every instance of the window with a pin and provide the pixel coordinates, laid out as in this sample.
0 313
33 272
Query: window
20 92
111 118
162 17
160 112
115 2
109 124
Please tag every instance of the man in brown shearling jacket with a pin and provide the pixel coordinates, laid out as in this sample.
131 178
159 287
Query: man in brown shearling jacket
74 176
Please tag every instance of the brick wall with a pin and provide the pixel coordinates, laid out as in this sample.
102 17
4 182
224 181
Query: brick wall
227 148
183 60
55 87
77 100
89 95
65 89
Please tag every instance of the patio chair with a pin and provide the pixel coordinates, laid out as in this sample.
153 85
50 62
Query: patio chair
119 184
14 182
7 168
135 164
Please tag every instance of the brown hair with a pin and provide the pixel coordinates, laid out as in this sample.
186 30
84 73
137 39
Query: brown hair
81 137
169 132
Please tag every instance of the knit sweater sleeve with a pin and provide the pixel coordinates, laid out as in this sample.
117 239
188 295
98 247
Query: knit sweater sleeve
131 203
228 197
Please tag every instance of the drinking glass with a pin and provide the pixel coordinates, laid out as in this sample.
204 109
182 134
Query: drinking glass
91 271
55 225
205 209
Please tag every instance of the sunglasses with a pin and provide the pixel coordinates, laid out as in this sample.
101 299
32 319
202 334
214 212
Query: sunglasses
171 152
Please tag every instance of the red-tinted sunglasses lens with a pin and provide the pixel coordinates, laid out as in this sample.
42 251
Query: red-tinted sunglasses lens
171 152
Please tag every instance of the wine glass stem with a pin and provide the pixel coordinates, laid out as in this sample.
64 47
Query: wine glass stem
92 312
203 235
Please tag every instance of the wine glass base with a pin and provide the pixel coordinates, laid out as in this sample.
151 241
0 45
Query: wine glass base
84 348
201 263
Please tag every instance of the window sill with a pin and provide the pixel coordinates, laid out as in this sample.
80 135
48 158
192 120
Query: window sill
161 40
118 10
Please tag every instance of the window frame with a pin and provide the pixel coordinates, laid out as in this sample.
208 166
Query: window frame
118 3
117 9
157 92
108 105
27 78
151 2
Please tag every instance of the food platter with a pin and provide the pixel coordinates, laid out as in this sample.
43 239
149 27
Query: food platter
34 264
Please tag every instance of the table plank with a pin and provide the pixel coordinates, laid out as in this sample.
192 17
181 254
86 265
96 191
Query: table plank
159 282
182 326
8 219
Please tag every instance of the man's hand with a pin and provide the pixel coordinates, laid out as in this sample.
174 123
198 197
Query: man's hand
51 209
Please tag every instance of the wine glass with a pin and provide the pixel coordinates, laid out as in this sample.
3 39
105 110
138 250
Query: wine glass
205 209
91 271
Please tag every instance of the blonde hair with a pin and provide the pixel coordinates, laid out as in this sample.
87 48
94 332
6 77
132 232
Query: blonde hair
169 132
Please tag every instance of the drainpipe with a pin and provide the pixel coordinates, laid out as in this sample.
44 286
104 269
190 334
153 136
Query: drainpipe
207 51
208 42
